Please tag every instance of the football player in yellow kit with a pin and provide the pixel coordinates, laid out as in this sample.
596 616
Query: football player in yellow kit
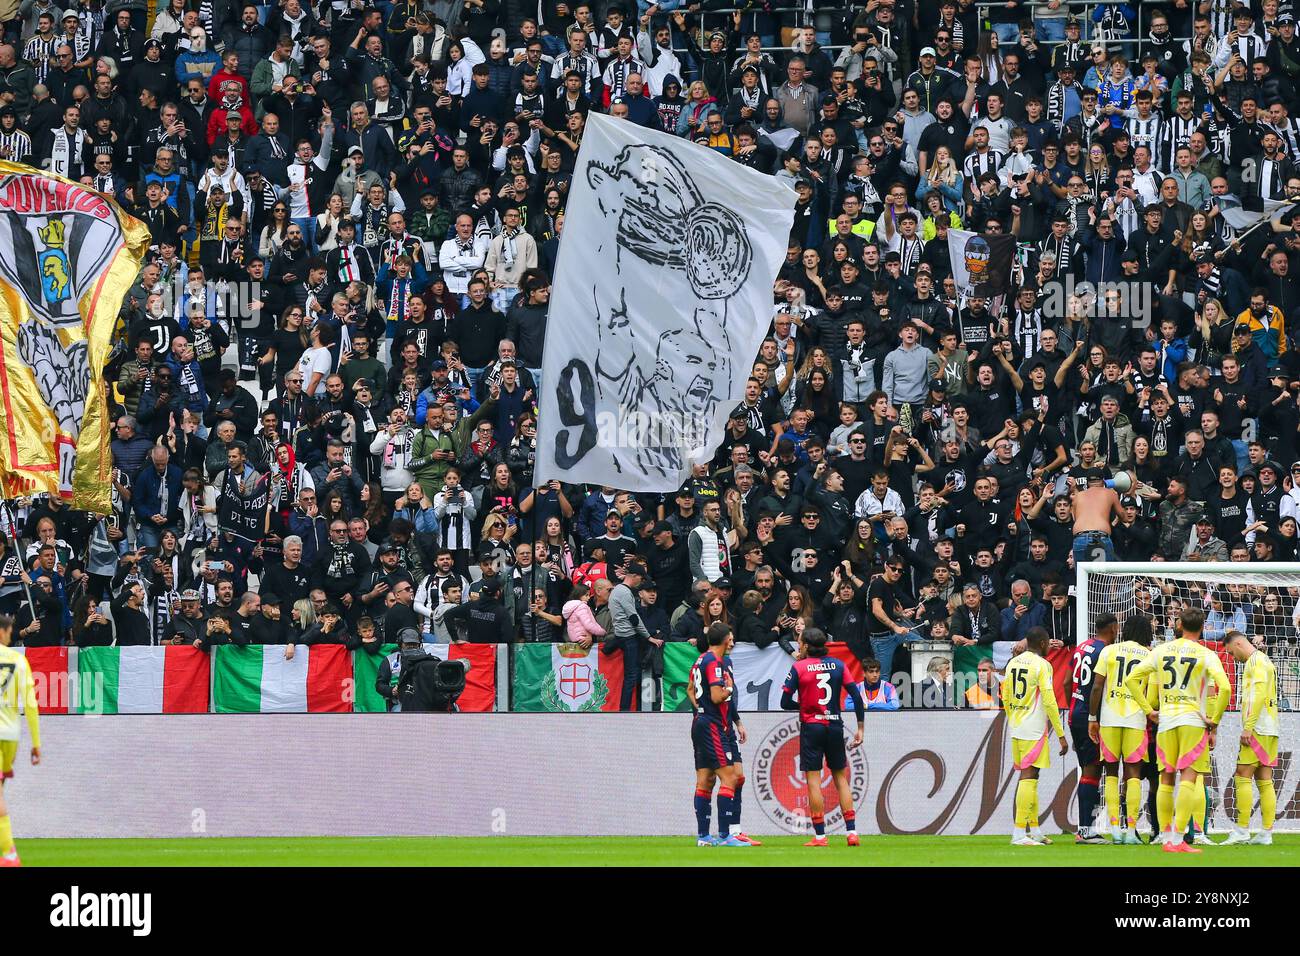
1116 723
15 688
1257 694
1181 674
1030 704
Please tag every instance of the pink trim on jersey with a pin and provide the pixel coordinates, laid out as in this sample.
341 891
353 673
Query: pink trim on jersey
1257 747
1034 753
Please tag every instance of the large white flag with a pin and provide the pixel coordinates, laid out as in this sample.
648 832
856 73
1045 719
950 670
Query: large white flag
661 297
1242 219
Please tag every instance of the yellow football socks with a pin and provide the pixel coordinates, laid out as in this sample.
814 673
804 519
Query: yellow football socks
6 835
1165 806
1267 802
1024 801
1133 800
1112 799
1245 801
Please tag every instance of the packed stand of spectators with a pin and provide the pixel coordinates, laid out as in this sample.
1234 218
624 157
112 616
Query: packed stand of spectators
392 180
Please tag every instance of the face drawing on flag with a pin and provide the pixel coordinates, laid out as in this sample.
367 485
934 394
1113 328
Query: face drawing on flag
655 215
978 255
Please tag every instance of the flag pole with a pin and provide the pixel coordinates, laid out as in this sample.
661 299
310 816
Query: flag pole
11 533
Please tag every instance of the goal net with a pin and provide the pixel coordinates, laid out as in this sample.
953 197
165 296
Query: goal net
1263 600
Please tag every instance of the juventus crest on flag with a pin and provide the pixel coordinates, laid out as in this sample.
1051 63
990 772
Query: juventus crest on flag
68 255
661 297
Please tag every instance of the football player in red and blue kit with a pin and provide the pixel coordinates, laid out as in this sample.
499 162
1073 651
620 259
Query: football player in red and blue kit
716 734
1083 665
813 688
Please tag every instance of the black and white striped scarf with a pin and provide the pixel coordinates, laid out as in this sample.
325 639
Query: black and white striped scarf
909 251
1061 249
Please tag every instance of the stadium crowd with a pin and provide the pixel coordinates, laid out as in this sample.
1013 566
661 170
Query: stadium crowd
347 450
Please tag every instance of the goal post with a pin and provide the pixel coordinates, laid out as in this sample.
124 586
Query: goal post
1261 599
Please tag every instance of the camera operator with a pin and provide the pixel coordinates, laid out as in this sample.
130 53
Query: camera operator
415 681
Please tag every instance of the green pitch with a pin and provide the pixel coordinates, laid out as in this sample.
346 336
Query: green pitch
631 851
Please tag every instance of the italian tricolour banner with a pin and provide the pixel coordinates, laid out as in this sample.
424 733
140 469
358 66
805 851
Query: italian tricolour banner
566 678
120 680
260 679
759 673
480 694
142 680
54 688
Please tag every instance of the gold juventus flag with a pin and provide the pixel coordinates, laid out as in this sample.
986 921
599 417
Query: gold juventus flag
68 256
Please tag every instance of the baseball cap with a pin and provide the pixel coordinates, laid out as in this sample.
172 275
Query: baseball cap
928 51
438 366
189 594
739 412
408 635
723 584
71 14
938 385
1284 18
386 548
268 597
662 526
487 553
356 149
1205 519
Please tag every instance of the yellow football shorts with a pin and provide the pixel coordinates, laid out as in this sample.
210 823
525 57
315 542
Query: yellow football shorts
1031 753
1180 748
1123 744
1261 750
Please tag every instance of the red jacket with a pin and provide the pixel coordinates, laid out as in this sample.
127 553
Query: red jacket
221 76
217 123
